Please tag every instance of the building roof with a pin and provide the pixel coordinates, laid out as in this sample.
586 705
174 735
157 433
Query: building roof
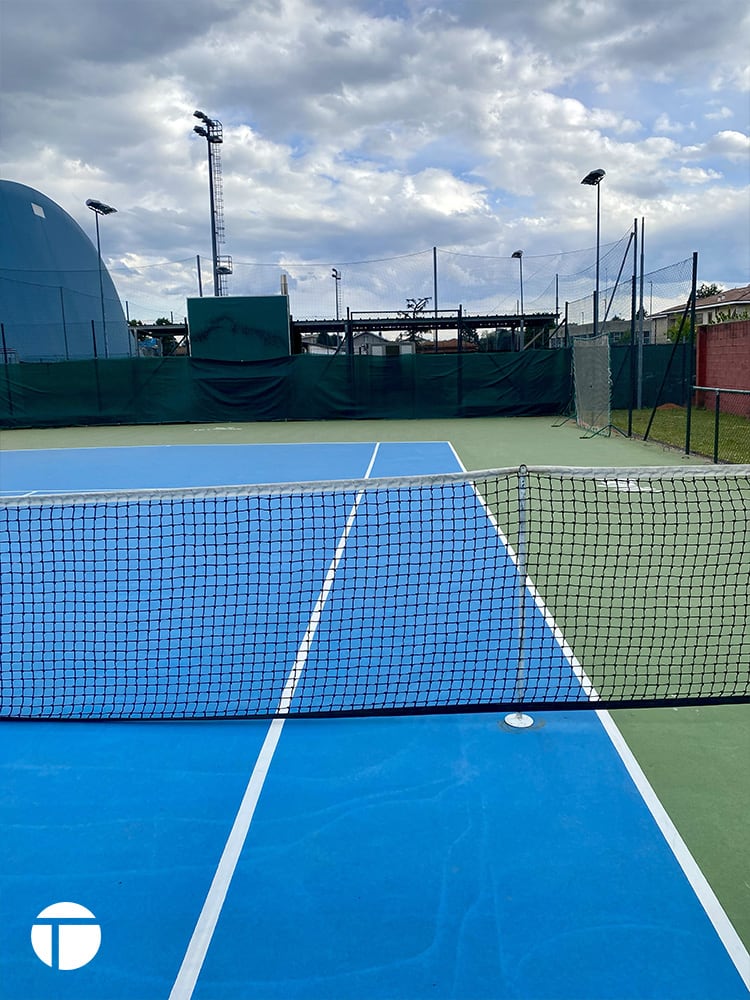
446 346
727 298
371 338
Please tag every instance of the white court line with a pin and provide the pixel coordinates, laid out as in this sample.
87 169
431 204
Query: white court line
700 885
705 894
197 949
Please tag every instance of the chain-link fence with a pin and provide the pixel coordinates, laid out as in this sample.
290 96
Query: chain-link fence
719 424
55 318
655 292
445 279
651 368
435 279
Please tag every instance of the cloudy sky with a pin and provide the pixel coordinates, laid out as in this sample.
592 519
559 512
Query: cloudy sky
368 129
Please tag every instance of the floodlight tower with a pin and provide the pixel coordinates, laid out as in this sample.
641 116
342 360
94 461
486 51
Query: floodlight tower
594 179
99 208
336 275
518 254
212 132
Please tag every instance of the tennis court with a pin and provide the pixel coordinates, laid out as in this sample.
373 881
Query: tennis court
410 856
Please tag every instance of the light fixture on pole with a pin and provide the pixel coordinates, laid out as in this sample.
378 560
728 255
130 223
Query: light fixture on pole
336 275
518 254
212 132
99 208
594 179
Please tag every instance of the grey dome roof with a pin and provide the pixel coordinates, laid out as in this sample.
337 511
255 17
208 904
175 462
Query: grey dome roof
49 284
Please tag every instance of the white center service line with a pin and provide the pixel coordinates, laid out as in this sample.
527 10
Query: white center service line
197 949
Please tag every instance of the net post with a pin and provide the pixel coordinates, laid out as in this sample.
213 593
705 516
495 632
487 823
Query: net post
518 720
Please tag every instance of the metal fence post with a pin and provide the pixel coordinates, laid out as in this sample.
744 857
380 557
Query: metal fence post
6 362
717 411
691 357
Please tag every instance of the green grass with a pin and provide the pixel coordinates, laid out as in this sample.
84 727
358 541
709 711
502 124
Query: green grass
670 424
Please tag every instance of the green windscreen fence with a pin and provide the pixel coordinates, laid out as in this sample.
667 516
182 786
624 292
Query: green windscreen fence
239 327
299 387
665 375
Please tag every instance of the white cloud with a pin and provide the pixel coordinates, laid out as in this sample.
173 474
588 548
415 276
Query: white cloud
351 133
721 146
733 145
663 124
438 191
721 114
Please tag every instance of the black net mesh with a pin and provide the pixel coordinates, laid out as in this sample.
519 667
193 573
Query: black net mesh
508 589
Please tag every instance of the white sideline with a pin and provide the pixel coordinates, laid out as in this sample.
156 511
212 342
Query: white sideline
700 885
706 896
197 949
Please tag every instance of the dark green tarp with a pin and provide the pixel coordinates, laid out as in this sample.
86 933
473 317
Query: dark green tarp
665 367
240 327
300 387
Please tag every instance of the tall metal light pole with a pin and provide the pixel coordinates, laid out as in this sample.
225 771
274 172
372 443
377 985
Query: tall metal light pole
519 255
336 275
212 132
594 178
99 208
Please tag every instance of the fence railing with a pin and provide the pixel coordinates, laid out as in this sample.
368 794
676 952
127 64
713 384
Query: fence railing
720 424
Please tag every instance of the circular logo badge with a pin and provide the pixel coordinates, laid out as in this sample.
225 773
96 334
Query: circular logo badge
66 936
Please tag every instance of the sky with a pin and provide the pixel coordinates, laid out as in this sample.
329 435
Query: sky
375 130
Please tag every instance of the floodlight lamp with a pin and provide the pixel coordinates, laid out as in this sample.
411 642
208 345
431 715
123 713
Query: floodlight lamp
517 253
200 130
201 115
99 207
594 177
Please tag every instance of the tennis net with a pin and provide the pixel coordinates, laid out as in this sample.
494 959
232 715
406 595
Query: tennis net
512 589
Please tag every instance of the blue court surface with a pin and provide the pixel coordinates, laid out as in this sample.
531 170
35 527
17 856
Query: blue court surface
337 859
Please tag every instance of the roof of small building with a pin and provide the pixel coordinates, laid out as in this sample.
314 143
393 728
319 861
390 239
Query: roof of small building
726 298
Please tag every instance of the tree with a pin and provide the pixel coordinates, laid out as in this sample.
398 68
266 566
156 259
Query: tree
679 329
706 291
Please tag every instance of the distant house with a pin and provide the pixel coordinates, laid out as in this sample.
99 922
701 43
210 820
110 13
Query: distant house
732 303
447 346
311 345
365 342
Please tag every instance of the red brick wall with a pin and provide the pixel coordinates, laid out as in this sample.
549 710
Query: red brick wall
723 362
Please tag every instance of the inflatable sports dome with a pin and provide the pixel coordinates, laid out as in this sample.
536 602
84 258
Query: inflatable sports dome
50 292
